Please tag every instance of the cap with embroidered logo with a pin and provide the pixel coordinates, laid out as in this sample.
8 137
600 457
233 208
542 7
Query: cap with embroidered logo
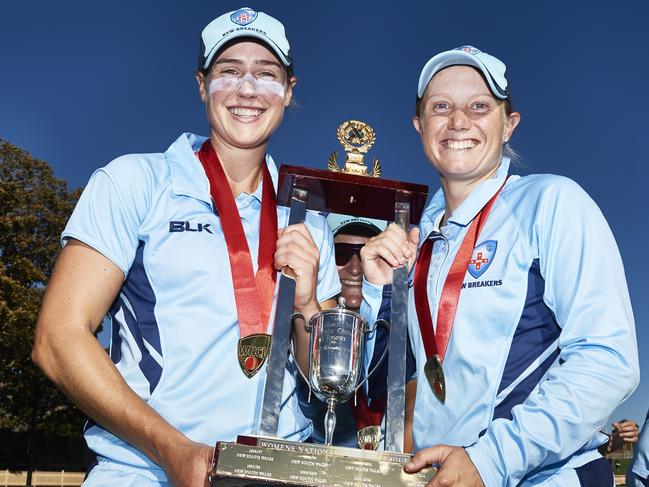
340 223
244 22
491 67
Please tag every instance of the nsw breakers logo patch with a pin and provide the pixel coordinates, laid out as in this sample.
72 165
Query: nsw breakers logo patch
483 255
243 16
182 226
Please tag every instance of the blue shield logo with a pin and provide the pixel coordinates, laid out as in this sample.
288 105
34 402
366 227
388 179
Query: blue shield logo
483 255
243 16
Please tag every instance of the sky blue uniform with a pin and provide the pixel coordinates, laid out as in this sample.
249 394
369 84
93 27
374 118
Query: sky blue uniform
175 327
543 348
637 474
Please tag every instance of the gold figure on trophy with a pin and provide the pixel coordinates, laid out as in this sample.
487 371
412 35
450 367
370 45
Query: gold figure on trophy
356 138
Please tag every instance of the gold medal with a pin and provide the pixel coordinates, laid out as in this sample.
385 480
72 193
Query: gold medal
435 375
368 438
253 292
252 351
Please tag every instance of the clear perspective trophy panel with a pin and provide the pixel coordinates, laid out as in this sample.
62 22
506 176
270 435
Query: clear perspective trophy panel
337 340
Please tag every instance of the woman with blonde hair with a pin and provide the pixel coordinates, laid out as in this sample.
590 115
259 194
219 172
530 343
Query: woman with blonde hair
521 327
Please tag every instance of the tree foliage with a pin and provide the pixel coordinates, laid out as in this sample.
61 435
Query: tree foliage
34 207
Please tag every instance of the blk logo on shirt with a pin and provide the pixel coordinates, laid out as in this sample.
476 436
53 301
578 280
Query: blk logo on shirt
483 255
180 226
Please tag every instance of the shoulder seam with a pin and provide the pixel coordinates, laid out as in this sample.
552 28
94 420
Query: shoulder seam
522 235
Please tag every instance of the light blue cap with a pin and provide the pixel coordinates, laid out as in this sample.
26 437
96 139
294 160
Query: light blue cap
243 22
492 68
337 222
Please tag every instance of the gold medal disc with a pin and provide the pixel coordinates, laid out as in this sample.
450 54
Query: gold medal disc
435 376
252 351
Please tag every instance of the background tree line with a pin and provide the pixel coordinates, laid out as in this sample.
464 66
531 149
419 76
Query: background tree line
34 208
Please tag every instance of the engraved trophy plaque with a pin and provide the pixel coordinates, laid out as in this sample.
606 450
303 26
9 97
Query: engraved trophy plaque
336 342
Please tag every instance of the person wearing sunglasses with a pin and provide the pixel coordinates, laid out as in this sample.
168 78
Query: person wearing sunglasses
350 235
183 249
357 423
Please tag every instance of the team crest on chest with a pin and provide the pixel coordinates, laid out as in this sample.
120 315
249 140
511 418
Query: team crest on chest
483 255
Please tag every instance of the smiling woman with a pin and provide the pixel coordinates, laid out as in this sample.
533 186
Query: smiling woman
245 89
182 250
463 128
514 332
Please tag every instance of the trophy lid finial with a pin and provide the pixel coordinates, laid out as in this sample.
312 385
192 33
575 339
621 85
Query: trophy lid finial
356 138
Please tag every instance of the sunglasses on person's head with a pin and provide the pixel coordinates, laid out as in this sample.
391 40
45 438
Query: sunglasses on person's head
345 251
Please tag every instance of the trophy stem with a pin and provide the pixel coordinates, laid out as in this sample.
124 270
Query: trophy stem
330 421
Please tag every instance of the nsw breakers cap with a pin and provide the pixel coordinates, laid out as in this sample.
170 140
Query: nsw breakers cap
339 222
491 67
244 22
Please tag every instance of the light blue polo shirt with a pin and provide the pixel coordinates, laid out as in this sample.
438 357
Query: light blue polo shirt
543 346
175 327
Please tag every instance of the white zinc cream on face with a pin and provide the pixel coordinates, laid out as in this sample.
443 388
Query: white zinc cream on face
262 87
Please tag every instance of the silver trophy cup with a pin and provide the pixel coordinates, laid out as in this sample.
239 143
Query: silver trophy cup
336 349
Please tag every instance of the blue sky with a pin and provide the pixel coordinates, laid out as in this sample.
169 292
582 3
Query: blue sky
84 82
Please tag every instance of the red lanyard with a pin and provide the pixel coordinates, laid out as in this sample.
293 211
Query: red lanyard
435 343
253 293
368 422
363 415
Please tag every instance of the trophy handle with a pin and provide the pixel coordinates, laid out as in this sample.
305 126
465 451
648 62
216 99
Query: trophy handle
307 326
383 356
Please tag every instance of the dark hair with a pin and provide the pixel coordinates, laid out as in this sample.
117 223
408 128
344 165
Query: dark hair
290 72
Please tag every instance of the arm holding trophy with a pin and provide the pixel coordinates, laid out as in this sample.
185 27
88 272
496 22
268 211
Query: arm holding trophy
82 288
297 256
157 242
